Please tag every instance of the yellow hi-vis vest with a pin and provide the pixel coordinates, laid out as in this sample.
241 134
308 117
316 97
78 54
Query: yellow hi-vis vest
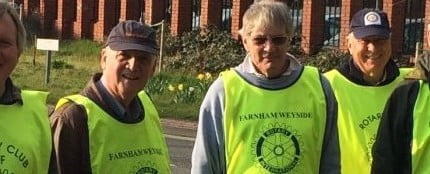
274 131
359 112
25 135
117 147
421 131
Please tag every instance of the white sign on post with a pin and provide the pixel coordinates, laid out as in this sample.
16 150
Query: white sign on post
47 44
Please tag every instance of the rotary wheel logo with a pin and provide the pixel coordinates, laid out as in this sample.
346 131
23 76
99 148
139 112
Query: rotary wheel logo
278 149
144 168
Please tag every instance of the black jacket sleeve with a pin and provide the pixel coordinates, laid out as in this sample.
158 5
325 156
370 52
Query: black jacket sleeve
392 149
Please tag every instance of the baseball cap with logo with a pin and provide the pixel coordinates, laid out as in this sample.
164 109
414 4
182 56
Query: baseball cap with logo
133 35
370 23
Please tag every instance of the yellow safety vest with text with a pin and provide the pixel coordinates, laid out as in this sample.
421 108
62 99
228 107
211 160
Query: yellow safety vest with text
274 131
117 147
25 135
359 112
421 131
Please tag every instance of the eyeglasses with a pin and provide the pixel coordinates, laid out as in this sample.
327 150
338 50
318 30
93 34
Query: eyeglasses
276 40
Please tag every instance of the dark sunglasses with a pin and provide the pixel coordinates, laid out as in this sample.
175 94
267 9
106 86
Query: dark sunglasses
276 40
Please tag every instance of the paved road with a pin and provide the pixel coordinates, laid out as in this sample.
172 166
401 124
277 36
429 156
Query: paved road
180 155
180 139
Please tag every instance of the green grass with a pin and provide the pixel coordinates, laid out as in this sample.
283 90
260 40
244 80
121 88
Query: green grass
73 66
166 108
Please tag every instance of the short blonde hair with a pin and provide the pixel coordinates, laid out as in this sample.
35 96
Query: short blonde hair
5 8
264 13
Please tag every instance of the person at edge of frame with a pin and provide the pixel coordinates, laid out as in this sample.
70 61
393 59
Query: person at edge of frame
270 114
112 126
25 136
402 142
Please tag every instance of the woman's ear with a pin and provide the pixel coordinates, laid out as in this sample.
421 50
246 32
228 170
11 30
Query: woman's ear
245 43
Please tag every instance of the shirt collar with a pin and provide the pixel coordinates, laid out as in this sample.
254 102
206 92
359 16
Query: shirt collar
117 108
12 94
248 67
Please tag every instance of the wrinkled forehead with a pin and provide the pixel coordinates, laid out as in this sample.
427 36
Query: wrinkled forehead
135 53
268 30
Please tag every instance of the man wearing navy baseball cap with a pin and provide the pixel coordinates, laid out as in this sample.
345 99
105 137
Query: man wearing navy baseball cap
112 126
362 84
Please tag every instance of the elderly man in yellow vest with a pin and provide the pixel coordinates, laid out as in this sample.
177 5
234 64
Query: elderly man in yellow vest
25 137
112 126
270 114
362 85
403 141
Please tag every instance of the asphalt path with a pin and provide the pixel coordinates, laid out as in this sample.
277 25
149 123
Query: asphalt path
180 140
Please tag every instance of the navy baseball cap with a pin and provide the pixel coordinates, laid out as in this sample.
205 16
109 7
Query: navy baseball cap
370 23
133 35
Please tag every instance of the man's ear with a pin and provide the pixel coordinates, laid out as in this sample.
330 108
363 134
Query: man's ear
245 43
103 57
349 40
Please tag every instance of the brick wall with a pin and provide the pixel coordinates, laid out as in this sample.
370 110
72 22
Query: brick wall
130 10
95 18
66 15
48 11
82 27
154 11
211 13
238 10
181 16
396 15
349 8
312 26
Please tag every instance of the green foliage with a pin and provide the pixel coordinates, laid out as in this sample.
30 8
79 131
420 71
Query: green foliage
206 50
324 60
72 67
157 85
79 48
61 64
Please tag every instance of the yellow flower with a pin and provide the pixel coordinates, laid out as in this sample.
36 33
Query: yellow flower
181 87
208 76
200 76
171 88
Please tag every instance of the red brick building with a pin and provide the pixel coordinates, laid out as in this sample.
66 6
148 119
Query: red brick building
70 19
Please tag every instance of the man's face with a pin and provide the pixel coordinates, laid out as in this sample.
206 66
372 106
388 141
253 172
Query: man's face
127 72
267 47
8 47
370 54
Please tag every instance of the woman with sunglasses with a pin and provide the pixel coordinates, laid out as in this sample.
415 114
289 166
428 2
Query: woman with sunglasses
270 114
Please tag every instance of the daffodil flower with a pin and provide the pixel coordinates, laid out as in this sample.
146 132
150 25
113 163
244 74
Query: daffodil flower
200 76
171 88
180 87
208 76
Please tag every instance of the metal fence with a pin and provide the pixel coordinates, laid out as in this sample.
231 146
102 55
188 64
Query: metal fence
332 22
296 7
226 15
167 11
372 4
195 23
414 25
